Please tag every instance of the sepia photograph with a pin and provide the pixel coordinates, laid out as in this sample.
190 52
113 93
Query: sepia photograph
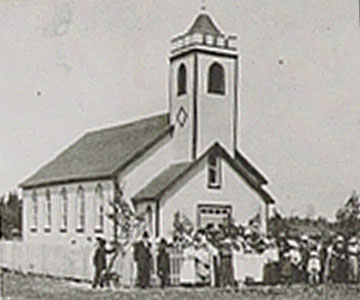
179 149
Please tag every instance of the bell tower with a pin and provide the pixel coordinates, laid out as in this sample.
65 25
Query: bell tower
204 84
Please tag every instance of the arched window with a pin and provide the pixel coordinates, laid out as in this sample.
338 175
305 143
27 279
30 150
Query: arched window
181 80
64 210
47 226
216 79
80 207
149 218
35 211
99 208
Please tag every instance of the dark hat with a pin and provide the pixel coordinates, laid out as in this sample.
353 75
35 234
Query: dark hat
146 235
101 240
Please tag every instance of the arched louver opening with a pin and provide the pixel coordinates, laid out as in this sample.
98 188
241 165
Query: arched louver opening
216 79
181 79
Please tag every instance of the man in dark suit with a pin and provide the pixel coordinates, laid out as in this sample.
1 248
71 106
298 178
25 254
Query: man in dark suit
143 258
99 261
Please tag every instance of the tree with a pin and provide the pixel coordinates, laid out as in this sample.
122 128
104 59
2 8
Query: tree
348 216
125 221
277 225
10 216
127 227
182 225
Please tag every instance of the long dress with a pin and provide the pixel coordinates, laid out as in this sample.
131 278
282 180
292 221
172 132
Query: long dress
126 267
143 258
353 253
339 264
226 266
163 267
203 266
187 270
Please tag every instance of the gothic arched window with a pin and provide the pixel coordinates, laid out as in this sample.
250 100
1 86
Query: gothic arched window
181 80
64 210
149 218
99 208
80 206
35 211
47 210
216 79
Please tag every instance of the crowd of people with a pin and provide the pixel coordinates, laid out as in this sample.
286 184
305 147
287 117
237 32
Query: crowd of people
317 260
208 258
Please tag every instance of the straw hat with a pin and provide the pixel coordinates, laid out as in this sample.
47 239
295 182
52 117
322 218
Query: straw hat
353 240
339 239
304 238
293 244
227 241
247 232
314 254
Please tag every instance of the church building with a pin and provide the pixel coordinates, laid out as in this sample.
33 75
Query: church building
186 160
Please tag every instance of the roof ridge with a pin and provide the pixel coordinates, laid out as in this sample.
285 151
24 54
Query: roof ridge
125 124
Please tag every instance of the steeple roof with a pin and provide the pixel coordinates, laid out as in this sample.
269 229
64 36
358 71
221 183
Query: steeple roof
205 25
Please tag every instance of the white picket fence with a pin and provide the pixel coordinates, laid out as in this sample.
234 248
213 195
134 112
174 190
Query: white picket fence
176 260
72 262
245 265
76 262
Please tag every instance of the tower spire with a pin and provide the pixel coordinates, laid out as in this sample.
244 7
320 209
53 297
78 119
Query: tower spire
203 5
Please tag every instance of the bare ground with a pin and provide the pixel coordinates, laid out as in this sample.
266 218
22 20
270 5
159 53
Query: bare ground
16 286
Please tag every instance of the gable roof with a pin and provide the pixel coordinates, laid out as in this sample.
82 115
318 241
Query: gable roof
205 25
102 153
246 163
172 175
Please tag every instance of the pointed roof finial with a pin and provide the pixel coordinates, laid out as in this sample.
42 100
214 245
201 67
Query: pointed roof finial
203 5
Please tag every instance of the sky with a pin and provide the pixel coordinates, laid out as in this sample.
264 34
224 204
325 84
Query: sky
70 66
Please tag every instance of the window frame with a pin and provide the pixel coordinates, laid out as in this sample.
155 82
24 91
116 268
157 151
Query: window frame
214 168
150 218
80 210
210 209
48 211
34 211
216 84
181 80
64 210
99 209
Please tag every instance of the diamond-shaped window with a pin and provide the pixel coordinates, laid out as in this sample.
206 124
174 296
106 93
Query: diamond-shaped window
181 116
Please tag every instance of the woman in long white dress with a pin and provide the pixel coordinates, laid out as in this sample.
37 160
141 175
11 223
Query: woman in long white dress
187 270
205 252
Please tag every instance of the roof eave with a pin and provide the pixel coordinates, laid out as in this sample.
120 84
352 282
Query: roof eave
53 182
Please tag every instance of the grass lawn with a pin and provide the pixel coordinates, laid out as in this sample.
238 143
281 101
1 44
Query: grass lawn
26 287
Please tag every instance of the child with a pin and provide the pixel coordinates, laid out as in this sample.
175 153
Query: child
314 268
